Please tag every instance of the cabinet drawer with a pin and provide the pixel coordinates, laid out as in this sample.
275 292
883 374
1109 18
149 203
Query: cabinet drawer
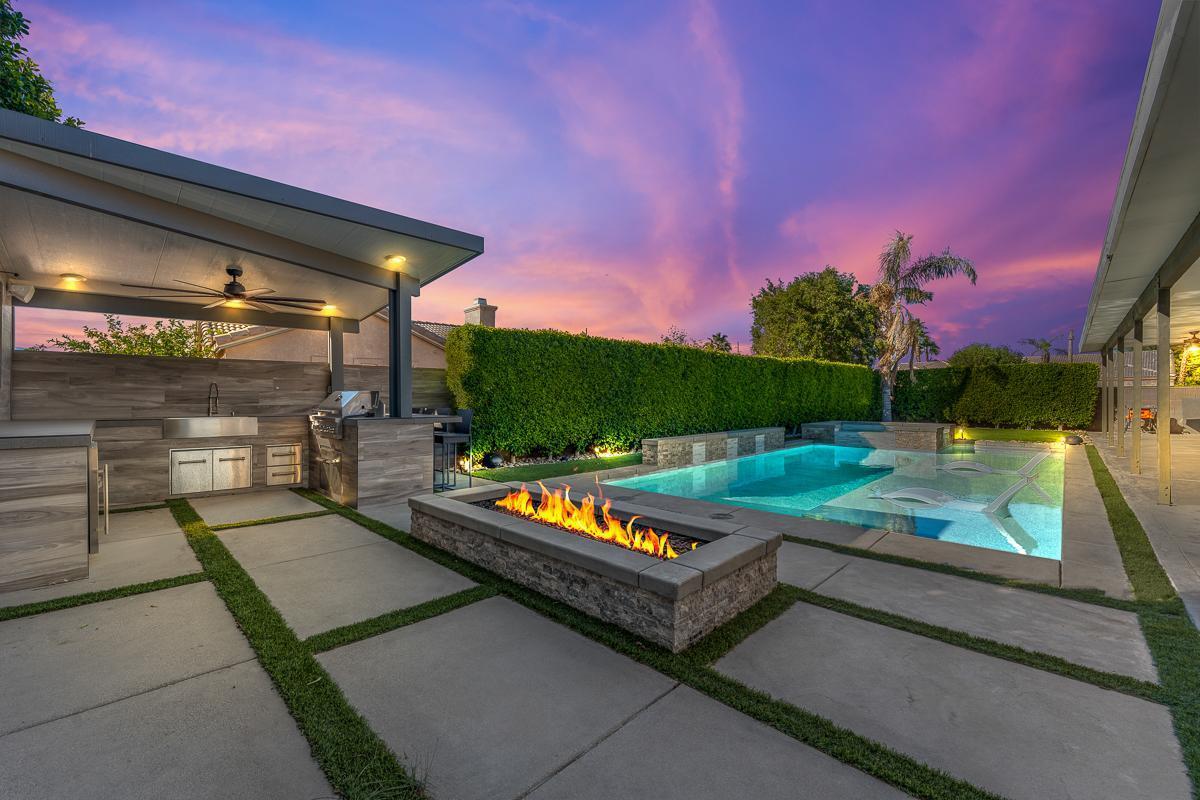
191 471
231 468
277 476
282 454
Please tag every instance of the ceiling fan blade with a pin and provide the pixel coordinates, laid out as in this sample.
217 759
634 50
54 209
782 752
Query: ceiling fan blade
257 292
198 286
176 296
314 300
220 302
165 288
287 304
259 306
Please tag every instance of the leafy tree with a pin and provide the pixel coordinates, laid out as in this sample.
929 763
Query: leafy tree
676 335
902 282
1188 371
978 354
166 338
816 315
22 86
718 343
1044 347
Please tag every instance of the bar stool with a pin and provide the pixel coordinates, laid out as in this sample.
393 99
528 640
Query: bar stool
449 438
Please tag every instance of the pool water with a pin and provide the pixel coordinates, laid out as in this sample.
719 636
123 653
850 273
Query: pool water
1010 501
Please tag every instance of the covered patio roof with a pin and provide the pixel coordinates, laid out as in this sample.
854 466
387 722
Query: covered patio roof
1153 237
116 212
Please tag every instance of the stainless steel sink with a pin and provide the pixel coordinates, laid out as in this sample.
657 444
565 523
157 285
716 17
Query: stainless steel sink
206 427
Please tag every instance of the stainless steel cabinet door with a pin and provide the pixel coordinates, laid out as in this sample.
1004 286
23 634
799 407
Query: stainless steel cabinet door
191 471
231 468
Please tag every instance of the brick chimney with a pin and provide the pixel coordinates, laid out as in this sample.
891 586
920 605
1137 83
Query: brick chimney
480 313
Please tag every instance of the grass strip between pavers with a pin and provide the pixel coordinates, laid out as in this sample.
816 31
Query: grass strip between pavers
150 507
356 761
1094 596
59 603
357 631
1173 639
693 668
1008 652
247 523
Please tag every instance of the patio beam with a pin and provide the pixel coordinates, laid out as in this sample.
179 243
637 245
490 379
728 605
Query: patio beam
1105 428
6 348
1164 396
1122 404
147 307
400 389
1135 427
336 355
55 183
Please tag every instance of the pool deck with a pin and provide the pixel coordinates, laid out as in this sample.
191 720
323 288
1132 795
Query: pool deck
1090 558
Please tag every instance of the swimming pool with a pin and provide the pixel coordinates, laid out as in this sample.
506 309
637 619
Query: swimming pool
1010 501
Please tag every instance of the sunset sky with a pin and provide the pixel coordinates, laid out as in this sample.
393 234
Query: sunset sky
636 165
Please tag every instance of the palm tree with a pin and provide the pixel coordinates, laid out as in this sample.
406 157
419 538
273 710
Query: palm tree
902 281
1044 347
925 346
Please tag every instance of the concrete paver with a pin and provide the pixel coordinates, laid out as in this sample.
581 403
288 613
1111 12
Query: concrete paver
1091 635
491 699
807 567
119 563
259 545
125 525
219 735
64 662
321 592
1015 730
225 508
687 746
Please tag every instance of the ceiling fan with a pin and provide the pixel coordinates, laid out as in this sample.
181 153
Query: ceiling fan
233 294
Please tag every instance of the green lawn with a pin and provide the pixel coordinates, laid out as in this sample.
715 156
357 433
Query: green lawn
1015 435
537 472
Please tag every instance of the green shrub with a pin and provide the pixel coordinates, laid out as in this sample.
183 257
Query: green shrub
551 392
1035 395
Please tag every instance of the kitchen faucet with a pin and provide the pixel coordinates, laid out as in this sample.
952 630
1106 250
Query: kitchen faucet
214 398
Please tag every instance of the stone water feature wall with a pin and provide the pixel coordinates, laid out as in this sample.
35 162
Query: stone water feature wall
683 451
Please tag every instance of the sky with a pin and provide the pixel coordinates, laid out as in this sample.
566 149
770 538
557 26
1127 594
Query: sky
632 165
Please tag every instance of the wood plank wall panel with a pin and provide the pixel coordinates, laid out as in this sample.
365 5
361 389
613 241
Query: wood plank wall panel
389 462
43 516
50 385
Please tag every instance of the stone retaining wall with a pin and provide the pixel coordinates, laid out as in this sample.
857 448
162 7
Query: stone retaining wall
682 451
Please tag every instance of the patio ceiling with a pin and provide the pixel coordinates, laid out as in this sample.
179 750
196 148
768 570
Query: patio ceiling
73 201
1154 227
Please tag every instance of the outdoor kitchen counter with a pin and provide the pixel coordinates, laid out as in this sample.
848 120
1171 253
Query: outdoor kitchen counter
386 460
46 433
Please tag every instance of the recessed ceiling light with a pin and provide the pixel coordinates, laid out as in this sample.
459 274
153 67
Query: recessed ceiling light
328 308
394 261
73 277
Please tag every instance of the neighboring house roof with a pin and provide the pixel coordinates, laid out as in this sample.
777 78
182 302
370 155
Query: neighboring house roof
224 335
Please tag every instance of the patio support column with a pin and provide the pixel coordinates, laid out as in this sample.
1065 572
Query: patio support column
1164 395
1105 428
6 349
1122 398
336 355
399 353
1135 428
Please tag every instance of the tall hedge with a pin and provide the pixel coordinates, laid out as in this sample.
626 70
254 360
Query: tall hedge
551 392
1025 395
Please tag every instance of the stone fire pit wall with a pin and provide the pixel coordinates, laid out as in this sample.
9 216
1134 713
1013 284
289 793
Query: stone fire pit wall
672 603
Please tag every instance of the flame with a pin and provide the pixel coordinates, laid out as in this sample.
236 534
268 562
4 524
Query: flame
556 508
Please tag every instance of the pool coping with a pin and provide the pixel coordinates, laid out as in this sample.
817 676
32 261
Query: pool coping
1090 558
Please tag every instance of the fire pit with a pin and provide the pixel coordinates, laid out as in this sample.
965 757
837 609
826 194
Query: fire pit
667 577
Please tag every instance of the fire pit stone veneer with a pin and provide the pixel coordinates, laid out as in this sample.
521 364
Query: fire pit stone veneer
673 603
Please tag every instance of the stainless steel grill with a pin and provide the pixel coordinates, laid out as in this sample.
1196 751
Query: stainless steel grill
326 421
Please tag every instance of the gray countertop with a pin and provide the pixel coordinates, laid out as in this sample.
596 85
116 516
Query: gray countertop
46 433
416 419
